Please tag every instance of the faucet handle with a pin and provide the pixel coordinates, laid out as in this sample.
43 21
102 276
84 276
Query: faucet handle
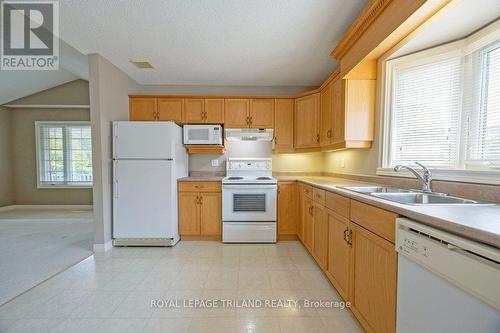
426 169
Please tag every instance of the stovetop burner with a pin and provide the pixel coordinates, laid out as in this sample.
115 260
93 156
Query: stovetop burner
263 178
234 178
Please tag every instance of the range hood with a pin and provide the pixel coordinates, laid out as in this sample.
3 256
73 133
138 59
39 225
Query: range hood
249 134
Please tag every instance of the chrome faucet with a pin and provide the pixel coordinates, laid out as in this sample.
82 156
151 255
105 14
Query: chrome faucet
425 178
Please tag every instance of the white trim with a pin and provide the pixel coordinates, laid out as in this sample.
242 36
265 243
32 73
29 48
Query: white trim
46 106
41 207
462 176
103 247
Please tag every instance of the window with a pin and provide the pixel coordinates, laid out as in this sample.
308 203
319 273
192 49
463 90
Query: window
64 154
442 108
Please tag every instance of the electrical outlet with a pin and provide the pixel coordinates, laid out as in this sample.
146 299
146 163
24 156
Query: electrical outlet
215 163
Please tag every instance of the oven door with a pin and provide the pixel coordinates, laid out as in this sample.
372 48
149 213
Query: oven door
249 202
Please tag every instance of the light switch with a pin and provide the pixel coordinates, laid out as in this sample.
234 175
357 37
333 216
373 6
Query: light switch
215 163
342 162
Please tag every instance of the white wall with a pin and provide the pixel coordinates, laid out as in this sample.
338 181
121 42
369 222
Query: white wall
109 89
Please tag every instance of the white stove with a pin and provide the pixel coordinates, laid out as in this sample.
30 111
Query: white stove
249 196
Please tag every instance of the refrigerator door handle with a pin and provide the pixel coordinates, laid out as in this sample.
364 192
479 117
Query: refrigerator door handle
115 181
115 137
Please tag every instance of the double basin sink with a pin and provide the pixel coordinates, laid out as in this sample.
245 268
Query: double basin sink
409 197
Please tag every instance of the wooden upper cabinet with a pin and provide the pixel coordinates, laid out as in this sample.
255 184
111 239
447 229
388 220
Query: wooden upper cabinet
287 209
326 116
236 113
194 110
338 100
210 214
374 278
261 112
338 253
170 109
142 108
214 110
353 113
307 116
283 125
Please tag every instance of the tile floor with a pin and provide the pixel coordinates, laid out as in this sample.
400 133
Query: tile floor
35 244
112 292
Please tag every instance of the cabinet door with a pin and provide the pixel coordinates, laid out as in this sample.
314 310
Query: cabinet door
308 224
194 111
300 225
338 253
170 109
189 213
214 110
307 121
142 108
236 112
287 209
283 125
338 103
325 132
210 214
261 112
320 238
373 293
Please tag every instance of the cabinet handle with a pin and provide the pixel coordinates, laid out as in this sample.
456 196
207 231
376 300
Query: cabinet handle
329 134
317 137
348 236
248 120
251 120
275 140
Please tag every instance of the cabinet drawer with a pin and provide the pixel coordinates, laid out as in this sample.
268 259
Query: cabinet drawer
338 204
376 220
199 186
307 190
319 195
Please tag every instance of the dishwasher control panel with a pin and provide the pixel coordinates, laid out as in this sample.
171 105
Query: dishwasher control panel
412 246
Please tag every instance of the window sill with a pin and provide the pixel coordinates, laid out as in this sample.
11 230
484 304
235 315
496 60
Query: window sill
461 176
62 186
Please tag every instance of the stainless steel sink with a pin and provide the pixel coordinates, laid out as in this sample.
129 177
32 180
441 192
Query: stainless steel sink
374 189
410 197
414 198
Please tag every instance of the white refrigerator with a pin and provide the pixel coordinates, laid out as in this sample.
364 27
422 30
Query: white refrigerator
148 158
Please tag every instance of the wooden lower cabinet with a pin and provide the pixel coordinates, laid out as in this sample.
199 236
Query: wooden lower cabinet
338 253
374 281
300 224
308 223
200 210
360 261
189 214
210 214
287 210
320 236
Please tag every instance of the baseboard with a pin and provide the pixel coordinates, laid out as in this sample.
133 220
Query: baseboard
65 207
103 247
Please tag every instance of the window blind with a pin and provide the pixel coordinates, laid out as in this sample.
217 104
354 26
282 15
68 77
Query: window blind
64 154
426 114
483 109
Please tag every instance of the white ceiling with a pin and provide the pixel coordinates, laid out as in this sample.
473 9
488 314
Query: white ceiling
216 42
459 20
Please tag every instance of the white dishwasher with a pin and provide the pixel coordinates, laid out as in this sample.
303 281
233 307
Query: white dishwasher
445 283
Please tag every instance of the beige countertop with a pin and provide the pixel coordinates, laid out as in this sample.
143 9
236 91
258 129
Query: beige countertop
479 223
200 179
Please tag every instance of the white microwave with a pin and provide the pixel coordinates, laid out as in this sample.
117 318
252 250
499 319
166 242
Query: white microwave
202 134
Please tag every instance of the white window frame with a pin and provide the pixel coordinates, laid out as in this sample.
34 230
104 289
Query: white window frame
43 185
386 65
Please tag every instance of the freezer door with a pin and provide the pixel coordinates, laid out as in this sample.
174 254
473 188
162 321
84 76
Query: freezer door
143 199
145 140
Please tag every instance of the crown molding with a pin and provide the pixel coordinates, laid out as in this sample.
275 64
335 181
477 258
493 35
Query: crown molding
369 14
